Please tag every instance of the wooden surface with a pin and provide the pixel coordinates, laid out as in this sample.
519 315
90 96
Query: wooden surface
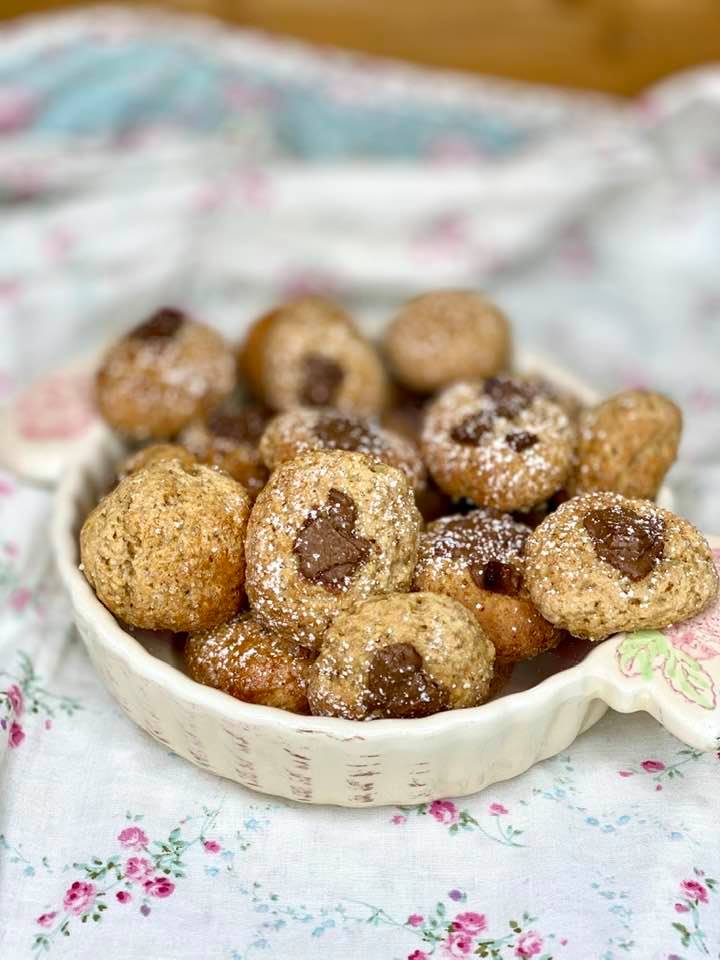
615 45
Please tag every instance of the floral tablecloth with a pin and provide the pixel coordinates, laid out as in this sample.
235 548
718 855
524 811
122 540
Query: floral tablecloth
147 159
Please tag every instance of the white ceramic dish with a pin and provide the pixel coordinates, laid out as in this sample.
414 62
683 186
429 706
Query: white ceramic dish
326 760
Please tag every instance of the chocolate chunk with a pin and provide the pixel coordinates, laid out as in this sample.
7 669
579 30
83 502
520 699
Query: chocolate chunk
321 380
510 397
344 433
163 324
497 577
473 428
244 426
627 541
399 687
521 440
326 546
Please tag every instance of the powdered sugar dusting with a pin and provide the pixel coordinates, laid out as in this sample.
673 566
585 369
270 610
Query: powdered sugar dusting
491 471
300 431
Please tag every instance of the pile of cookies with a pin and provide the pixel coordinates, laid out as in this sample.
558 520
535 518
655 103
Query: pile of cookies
378 531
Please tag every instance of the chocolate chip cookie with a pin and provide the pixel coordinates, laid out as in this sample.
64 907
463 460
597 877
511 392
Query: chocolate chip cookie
478 559
299 431
603 564
308 353
165 549
628 443
330 528
245 660
441 337
162 374
229 438
501 442
154 453
402 656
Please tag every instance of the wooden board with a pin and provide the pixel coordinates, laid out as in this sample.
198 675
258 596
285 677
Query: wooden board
614 45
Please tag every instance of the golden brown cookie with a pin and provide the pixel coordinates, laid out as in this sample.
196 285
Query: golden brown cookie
308 353
628 443
603 564
229 438
162 374
441 337
478 560
165 549
245 660
500 442
329 529
154 453
304 429
403 655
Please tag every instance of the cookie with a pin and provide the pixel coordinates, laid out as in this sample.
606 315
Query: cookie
405 413
628 443
245 660
500 442
229 438
167 371
165 549
304 429
308 353
478 560
329 529
403 655
433 503
441 337
154 453
603 564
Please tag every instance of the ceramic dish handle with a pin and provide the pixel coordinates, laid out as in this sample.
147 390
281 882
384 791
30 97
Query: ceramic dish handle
46 426
673 674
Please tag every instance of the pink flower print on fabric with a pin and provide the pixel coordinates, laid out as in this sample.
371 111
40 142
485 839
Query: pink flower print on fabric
16 735
46 919
699 637
444 811
17 108
20 599
211 846
498 810
123 896
159 887
470 922
529 944
133 838
17 701
57 408
418 955
79 897
652 766
694 890
415 920
138 869
457 944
